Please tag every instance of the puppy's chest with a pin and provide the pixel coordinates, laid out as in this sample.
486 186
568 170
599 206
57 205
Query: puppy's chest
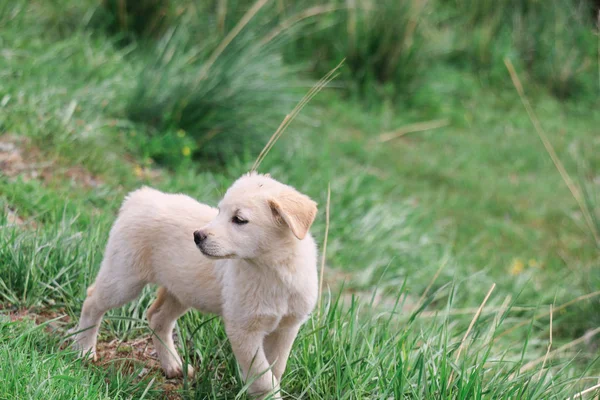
269 294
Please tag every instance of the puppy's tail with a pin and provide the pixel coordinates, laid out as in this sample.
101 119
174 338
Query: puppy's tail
161 295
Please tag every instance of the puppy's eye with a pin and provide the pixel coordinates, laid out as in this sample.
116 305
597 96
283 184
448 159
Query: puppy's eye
238 221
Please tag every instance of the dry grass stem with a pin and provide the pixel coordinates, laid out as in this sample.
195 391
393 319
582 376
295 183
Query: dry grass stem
412 128
230 36
471 325
475 318
549 345
551 152
324 252
586 391
470 311
530 365
294 19
545 314
290 117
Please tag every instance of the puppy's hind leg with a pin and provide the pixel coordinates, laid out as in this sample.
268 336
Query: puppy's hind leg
108 292
162 315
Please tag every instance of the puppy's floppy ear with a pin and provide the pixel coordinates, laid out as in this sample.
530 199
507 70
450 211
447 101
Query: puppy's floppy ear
298 211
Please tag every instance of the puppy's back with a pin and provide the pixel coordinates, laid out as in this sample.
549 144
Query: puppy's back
151 223
155 199
150 204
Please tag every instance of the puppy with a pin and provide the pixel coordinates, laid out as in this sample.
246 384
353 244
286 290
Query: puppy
253 262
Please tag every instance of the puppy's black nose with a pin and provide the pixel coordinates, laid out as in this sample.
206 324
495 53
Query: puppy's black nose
199 237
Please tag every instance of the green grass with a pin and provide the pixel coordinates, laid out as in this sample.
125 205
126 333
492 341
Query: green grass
31 369
224 106
381 42
468 201
553 41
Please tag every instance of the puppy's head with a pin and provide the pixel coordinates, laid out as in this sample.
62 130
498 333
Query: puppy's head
257 216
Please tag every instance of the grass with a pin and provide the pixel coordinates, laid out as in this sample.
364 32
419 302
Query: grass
225 99
381 42
32 370
421 228
552 41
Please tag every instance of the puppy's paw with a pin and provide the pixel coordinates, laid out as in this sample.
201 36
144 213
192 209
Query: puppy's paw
270 396
85 353
85 350
174 371
276 396
265 392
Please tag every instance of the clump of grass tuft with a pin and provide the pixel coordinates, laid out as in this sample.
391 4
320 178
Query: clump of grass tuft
559 48
581 193
34 367
227 98
39 275
553 41
346 353
380 41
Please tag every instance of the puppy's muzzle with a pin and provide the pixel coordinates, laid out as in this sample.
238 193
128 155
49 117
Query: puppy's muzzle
199 237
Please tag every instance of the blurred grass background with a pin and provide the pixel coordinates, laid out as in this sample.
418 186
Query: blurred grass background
440 185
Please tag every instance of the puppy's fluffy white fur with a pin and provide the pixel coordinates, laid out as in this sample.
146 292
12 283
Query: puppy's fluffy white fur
253 263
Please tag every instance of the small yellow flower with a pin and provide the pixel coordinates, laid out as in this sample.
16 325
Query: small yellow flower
181 133
138 171
533 263
186 151
517 267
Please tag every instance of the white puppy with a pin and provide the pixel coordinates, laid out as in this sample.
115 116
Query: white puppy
253 262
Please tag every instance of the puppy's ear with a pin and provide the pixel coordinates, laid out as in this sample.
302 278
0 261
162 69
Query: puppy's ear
296 210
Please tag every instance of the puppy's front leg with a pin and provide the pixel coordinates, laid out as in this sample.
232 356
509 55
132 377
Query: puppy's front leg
278 345
249 352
